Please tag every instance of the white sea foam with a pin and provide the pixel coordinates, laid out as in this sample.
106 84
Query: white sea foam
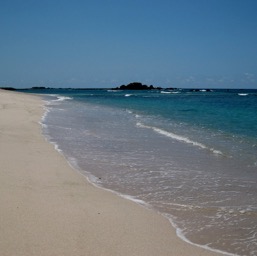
181 235
43 118
129 111
113 90
128 95
62 98
57 100
136 200
242 94
165 92
56 146
179 138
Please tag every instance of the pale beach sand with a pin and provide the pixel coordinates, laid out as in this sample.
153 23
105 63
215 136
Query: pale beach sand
47 208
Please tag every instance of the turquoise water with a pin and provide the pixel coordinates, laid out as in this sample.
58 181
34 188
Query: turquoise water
189 155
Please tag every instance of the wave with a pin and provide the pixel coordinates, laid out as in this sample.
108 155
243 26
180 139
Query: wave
62 98
243 94
113 90
165 92
46 111
180 234
56 101
49 102
128 95
169 92
179 138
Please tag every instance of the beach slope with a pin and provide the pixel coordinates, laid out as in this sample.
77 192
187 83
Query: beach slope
49 209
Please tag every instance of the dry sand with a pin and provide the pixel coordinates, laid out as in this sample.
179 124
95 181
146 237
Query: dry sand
47 208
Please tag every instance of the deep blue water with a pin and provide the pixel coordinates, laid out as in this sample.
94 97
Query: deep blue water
190 155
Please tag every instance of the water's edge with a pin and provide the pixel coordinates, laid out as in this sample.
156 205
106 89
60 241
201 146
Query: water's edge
92 180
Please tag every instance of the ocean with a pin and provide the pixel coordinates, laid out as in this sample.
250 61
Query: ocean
190 155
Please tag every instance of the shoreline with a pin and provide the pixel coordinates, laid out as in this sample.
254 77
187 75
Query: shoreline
47 208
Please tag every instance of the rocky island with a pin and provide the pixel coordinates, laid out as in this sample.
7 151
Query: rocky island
137 86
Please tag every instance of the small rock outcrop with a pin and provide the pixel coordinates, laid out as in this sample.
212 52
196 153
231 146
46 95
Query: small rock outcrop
137 86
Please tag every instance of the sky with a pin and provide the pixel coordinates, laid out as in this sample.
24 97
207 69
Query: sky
107 43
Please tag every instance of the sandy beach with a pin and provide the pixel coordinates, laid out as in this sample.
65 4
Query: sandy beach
47 208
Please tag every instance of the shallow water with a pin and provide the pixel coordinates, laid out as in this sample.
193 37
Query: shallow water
190 155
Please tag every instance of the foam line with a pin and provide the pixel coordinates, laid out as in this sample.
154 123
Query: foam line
180 234
179 138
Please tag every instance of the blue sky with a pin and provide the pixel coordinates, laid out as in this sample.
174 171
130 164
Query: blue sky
75 43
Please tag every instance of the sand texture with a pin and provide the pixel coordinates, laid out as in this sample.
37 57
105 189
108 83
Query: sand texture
47 208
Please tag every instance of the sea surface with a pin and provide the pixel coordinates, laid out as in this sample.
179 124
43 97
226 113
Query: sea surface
191 155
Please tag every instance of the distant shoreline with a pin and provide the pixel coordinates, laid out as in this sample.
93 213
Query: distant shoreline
7 88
